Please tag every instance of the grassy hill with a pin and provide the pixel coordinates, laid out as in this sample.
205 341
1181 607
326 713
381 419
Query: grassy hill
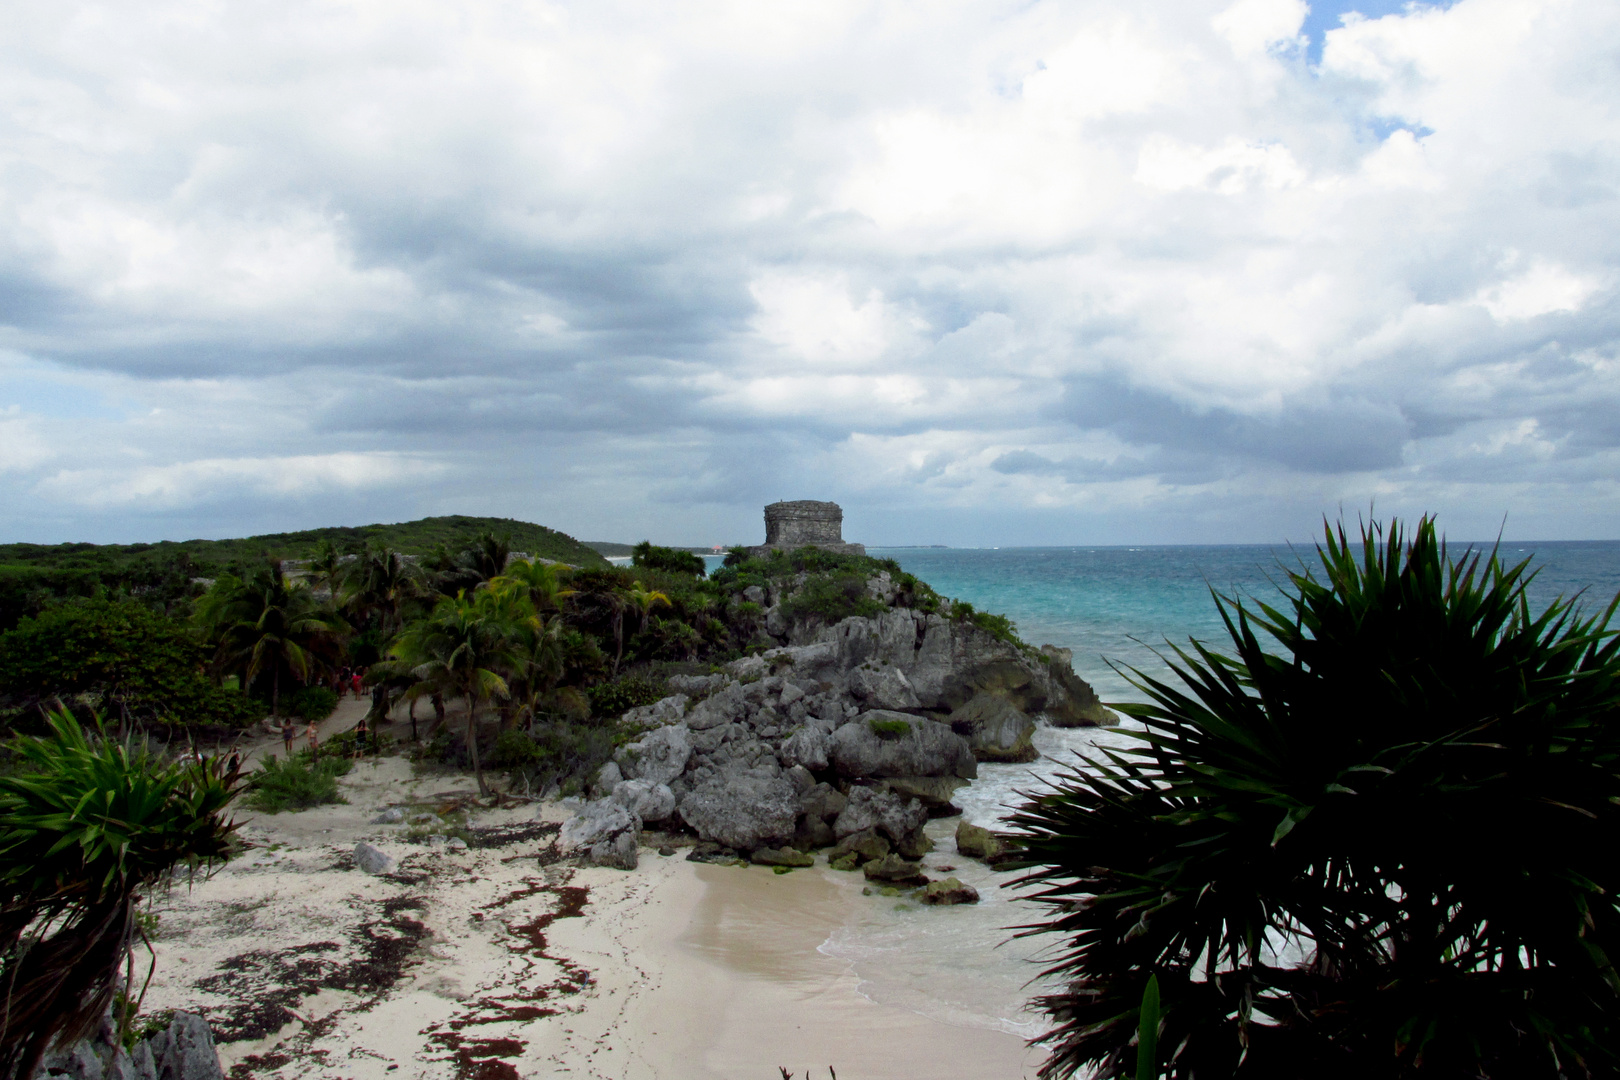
411 537
31 574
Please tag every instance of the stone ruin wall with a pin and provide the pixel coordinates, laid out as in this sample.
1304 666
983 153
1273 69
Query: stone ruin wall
805 522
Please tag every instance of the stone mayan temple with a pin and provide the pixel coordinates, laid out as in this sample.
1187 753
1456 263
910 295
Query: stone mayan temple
805 523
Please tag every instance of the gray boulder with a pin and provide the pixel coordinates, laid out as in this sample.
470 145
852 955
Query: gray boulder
391 816
598 820
883 743
645 799
667 710
995 728
877 807
185 1050
721 707
1071 702
658 757
618 853
607 778
372 860
808 746
742 811
931 791
696 685
883 687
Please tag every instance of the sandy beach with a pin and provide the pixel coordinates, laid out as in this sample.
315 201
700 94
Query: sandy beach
498 960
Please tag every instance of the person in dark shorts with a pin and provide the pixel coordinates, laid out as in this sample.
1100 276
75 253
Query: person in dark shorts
288 734
360 738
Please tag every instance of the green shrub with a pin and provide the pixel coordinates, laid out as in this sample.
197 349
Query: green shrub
557 751
832 598
613 698
137 661
669 560
346 743
889 729
278 785
312 703
1418 792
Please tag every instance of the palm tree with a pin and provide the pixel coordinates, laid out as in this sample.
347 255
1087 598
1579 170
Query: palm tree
643 600
382 583
326 567
462 647
1417 796
268 626
540 581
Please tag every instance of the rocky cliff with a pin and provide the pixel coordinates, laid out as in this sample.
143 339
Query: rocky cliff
845 736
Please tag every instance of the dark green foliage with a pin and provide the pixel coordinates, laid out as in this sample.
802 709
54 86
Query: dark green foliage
312 703
297 784
889 729
347 744
1418 788
87 825
611 699
669 560
143 665
557 751
160 575
997 626
832 597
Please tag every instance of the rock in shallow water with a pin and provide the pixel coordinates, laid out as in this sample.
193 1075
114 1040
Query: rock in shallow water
979 843
949 891
893 870
781 857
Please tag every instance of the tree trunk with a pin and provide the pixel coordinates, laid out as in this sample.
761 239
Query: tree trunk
275 690
618 637
413 720
472 742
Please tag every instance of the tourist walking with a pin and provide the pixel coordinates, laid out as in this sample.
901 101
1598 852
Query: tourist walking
288 733
360 738
314 743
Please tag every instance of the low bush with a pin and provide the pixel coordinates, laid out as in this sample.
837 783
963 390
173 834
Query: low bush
297 784
312 703
669 560
613 698
556 751
832 598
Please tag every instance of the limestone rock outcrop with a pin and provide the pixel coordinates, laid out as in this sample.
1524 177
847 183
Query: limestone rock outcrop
845 736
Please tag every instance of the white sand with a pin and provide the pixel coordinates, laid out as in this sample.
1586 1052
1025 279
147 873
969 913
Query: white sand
475 965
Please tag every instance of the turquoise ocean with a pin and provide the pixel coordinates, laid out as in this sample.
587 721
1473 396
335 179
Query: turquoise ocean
1115 607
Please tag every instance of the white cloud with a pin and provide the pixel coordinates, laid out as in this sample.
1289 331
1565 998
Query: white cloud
1541 290
686 258
185 483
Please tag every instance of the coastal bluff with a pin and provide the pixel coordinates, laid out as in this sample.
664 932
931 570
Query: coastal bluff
846 735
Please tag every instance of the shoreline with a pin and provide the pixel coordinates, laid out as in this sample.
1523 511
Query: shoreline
483 963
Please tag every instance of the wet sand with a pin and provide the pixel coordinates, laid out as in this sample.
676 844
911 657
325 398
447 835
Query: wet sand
744 991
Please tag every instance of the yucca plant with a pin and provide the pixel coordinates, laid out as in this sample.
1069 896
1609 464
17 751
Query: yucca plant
1383 847
86 825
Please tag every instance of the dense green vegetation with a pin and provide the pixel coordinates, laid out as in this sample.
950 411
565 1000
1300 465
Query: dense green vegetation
1415 798
87 824
134 663
161 574
671 560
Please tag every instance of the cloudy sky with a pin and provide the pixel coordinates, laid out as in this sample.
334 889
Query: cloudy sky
984 272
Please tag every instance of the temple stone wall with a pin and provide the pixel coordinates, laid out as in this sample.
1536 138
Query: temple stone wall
805 522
